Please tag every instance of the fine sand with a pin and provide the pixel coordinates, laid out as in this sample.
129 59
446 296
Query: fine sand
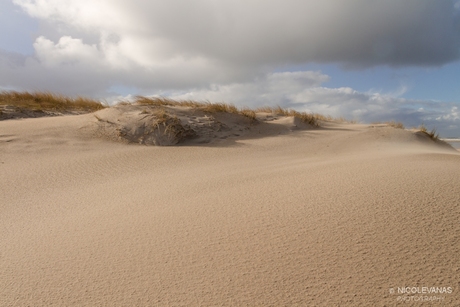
239 214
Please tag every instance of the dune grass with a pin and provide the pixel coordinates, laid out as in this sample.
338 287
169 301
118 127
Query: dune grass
308 118
397 125
422 128
225 108
432 134
47 101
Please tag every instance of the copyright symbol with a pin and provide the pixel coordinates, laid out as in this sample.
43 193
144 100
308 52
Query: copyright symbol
392 291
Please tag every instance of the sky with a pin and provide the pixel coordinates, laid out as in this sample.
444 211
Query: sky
365 60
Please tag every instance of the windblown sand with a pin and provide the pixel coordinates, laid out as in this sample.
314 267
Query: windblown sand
336 216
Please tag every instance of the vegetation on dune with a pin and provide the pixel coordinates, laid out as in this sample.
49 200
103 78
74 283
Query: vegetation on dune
251 114
46 101
432 134
162 101
397 125
308 118
422 128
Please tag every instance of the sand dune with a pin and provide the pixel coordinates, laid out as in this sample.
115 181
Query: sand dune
271 214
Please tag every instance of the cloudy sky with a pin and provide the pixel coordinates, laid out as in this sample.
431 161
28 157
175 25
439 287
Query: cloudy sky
368 60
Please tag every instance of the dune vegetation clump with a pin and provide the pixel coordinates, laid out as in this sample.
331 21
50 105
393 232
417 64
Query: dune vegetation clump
397 125
204 106
432 134
421 129
165 121
39 102
15 104
47 101
311 119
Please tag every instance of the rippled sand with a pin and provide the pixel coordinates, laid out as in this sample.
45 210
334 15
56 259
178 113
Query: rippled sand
338 216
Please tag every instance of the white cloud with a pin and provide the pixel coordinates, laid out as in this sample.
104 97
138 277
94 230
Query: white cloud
68 51
353 32
271 89
454 115
169 45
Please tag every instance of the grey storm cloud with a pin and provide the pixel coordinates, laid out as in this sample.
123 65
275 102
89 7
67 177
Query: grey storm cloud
357 33
177 44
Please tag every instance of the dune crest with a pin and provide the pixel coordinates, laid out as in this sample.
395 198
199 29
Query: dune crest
171 125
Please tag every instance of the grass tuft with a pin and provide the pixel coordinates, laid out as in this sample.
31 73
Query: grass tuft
154 101
307 118
47 101
161 116
397 125
204 106
432 134
251 114
219 107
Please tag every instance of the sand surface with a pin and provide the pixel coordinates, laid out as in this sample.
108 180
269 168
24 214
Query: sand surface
337 216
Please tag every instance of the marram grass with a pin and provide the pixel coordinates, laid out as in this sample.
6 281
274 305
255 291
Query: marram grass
47 101
432 134
312 119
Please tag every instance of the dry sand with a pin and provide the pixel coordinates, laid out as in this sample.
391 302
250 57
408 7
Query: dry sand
337 216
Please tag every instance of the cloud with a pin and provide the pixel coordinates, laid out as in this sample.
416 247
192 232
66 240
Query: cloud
68 51
270 89
352 32
72 67
160 45
453 116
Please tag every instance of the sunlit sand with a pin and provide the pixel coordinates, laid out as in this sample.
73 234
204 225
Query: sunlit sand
270 214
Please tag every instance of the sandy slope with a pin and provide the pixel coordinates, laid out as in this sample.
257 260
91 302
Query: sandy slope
323 217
